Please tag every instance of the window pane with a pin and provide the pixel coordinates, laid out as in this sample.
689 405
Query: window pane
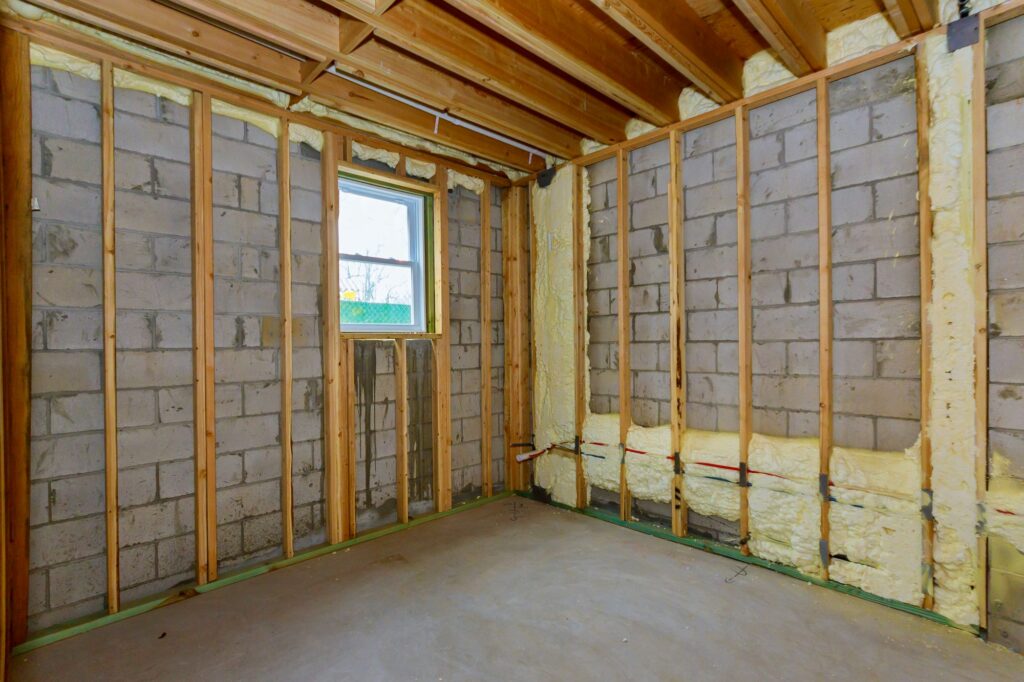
372 293
375 221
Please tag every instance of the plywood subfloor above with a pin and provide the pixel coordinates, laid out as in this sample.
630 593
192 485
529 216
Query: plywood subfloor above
516 589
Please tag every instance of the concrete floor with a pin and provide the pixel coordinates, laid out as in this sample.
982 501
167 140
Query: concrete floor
516 589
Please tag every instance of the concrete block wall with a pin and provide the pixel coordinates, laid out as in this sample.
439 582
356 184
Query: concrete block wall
784 266
307 341
497 369
1005 105
602 289
67 536
155 419
709 242
875 258
246 342
420 421
649 299
464 235
376 472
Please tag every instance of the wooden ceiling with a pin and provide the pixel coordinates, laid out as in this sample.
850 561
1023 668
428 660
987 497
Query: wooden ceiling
545 73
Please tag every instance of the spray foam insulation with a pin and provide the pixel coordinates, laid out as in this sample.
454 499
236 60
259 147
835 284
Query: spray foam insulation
712 490
368 153
300 133
420 169
763 71
556 473
693 103
859 38
601 464
649 472
476 185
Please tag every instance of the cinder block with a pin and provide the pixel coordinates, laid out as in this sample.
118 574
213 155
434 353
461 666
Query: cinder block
899 359
794 180
134 251
78 581
875 161
65 372
801 142
710 137
76 413
66 541
159 215
136 486
901 277
853 358
894 117
244 501
1006 406
70 118
699 170
870 241
72 160
896 434
173 179
244 433
853 432
141 369
802 357
173 330
151 137
878 319
792 322
66 455
137 564
877 397
77 497
853 282
849 129
66 287
260 533
73 246
152 444
176 555
156 521
245 159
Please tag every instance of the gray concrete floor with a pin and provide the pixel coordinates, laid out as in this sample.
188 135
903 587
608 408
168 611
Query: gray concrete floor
519 590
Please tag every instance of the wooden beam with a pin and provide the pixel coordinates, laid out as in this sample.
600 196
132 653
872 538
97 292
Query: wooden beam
792 30
386 66
448 40
401 431
517 364
741 117
284 202
337 516
352 33
442 353
4 609
677 334
824 312
909 17
109 335
16 148
486 337
347 386
580 44
579 293
677 34
205 426
625 379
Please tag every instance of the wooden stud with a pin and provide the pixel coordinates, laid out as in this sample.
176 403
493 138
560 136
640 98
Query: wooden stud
677 340
517 362
4 646
744 311
337 509
625 378
285 221
824 311
579 291
401 431
486 335
442 352
204 408
347 386
925 247
109 336
979 173
16 133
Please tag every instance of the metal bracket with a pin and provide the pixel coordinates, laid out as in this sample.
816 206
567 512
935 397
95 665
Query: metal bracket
926 504
962 33
521 445
823 551
677 467
823 486
576 445
744 482
622 453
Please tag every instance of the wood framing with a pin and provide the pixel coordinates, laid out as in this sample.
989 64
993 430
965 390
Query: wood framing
204 408
677 34
625 378
517 341
401 431
486 338
16 148
579 294
4 635
347 383
925 265
109 335
791 29
677 332
908 17
824 313
334 470
744 312
442 353
284 202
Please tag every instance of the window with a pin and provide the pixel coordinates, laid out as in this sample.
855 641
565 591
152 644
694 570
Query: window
383 269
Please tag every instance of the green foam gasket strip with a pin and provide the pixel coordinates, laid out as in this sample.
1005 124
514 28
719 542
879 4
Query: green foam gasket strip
98 622
734 553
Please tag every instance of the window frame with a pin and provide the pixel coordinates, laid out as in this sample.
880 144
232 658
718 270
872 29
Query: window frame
421 242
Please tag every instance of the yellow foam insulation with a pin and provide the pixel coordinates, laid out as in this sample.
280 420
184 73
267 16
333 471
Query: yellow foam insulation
710 497
649 475
40 55
692 103
268 124
134 81
709 490
785 509
476 186
554 385
896 474
1004 509
764 71
952 321
859 38
604 469
636 127
420 169
588 146
300 133
556 473
367 153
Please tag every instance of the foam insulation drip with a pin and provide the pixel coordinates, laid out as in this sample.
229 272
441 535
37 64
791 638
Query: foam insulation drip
588 146
764 71
649 473
859 38
133 81
784 505
40 55
952 319
636 127
710 490
556 473
367 153
420 169
692 103
300 133
603 470
268 124
476 186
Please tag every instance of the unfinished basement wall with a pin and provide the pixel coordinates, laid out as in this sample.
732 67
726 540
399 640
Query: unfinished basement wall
67 535
497 332
1005 160
420 420
602 290
376 472
247 359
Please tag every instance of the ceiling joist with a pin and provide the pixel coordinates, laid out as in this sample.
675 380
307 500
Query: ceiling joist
791 29
911 16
